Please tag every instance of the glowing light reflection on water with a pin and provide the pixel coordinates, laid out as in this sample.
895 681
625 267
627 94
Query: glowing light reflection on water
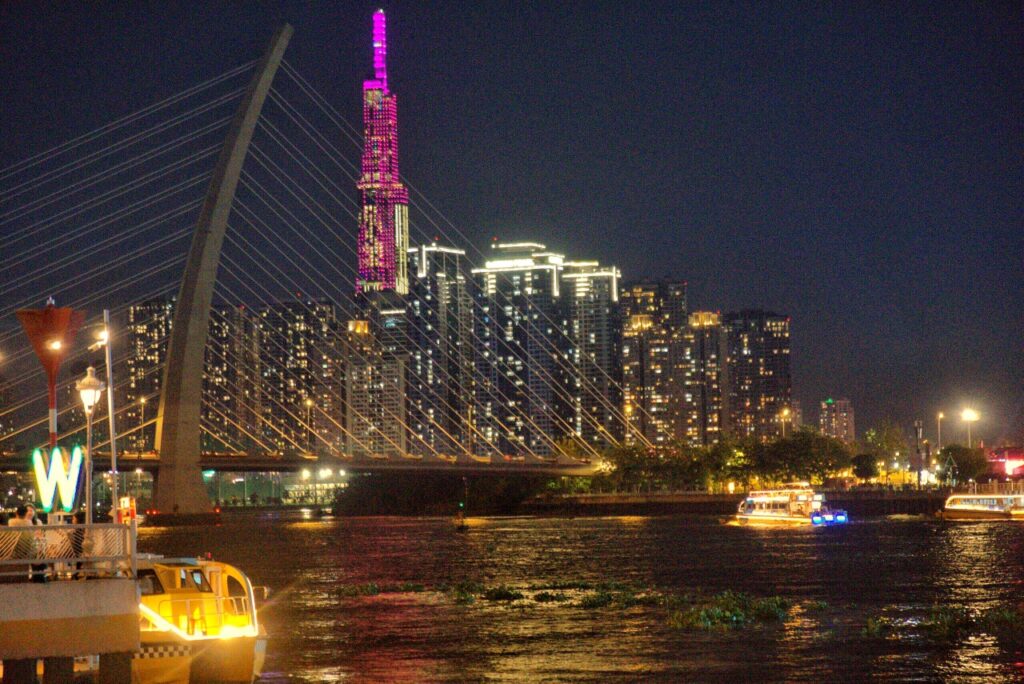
330 621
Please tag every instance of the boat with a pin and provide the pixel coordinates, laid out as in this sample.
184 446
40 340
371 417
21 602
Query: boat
198 622
984 507
794 504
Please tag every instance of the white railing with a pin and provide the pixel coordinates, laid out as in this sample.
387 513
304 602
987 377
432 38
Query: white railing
57 552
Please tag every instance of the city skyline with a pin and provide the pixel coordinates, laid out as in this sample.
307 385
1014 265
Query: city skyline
891 356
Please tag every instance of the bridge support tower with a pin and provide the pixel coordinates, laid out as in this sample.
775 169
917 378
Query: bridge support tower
179 484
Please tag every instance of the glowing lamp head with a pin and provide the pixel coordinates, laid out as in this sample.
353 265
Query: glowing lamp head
305 474
969 415
90 388
941 415
54 345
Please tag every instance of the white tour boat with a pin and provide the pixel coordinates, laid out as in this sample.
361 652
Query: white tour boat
984 507
794 504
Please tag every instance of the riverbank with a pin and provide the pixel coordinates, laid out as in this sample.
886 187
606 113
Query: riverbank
859 504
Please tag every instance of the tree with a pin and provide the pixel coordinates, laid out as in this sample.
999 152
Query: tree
804 456
865 466
970 463
885 442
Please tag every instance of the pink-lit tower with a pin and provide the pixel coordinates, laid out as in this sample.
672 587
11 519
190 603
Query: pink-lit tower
384 217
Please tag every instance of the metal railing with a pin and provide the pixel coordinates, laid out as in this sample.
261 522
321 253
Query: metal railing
207 616
992 488
58 552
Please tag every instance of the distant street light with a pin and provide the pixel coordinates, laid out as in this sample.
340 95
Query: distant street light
938 423
90 389
784 414
969 416
309 425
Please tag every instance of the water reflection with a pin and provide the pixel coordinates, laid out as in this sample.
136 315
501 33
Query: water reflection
323 631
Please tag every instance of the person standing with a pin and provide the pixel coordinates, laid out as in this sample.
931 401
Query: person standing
24 516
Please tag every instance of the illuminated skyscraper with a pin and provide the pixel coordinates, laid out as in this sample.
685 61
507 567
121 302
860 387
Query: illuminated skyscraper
298 368
548 334
595 329
384 216
759 383
440 382
706 353
231 390
523 396
654 368
836 420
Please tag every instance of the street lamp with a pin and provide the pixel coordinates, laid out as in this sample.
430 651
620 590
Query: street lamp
142 424
90 388
969 415
309 426
784 414
938 425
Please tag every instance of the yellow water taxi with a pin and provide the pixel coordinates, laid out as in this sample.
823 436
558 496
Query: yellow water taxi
198 623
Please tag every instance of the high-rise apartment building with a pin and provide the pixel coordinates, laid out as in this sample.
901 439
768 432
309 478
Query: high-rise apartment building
706 415
523 401
654 370
547 336
440 367
149 328
760 385
231 381
299 375
595 332
375 391
836 420
231 387
384 214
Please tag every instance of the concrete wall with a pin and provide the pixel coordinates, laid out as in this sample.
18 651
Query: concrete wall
68 618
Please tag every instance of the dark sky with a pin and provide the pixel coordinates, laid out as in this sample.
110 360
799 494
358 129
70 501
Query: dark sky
857 166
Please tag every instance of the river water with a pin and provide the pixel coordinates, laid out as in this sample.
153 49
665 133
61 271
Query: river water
327 625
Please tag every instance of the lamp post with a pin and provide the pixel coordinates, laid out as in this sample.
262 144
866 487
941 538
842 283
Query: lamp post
969 415
142 423
103 339
309 425
90 388
784 414
938 426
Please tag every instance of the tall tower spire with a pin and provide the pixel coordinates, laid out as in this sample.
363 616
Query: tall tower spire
380 49
384 217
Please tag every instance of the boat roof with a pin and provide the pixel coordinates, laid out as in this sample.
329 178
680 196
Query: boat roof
779 492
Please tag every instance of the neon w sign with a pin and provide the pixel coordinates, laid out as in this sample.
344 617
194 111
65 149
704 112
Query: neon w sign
57 477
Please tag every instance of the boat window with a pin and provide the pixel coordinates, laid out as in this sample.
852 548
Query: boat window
235 587
149 583
200 580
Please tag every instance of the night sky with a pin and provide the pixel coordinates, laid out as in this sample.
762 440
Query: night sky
857 166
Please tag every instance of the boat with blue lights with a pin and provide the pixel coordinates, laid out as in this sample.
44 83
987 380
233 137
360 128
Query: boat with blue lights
793 504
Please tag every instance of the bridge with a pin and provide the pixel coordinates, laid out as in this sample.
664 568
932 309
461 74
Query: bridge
234 313
265 463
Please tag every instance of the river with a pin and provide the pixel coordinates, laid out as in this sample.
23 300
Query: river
374 599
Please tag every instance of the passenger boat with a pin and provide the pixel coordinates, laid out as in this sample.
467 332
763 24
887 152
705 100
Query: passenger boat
795 504
198 622
984 507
